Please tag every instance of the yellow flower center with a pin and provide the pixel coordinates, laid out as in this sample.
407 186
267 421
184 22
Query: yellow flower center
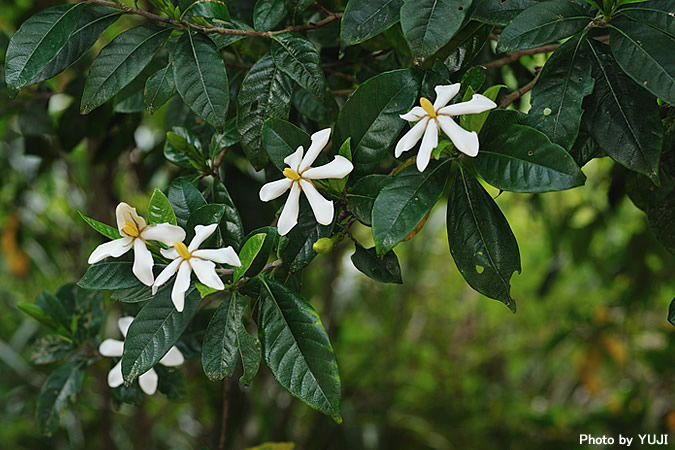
182 250
291 174
131 229
428 107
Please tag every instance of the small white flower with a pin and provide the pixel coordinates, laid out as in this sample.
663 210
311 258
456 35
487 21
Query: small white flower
433 118
299 175
135 233
202 262
114 348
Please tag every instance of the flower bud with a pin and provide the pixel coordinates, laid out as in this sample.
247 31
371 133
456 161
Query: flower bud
323 245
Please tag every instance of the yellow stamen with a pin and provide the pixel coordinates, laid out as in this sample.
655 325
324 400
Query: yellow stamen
182 250
428 107
291 174
130 229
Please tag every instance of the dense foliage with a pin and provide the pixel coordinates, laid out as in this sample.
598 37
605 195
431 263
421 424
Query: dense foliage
247 97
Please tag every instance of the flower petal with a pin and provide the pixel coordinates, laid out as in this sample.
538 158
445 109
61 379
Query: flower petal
163 232
294 159
319 141
206 273
415 114
289 215
465 141
111 348
274 189
124 213
166 274
429 143
115 249
143 263
444 94
180 285
172 358
338 168
115 378
225 255
322 208
124 323
148 381
477 104
410 139
170 253
202 233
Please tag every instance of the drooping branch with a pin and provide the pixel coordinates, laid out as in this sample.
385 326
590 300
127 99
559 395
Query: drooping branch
515 95
184 24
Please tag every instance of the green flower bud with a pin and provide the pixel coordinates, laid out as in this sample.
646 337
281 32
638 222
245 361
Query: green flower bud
323 245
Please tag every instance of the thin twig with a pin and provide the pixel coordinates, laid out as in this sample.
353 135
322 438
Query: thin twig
515 95
515 56
183 24
223 422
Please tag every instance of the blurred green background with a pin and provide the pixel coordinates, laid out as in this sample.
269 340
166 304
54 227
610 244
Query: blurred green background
429 364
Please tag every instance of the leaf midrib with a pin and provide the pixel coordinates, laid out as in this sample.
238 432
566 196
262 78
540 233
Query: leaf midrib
532 30
201 75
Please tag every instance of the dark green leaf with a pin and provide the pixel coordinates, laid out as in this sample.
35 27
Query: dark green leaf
200 77
297 252
249 346
297 57
50 348
466 45
671 312
159 88
182 145
267 14
160 210
136 294
280 139
621 119
362 195
265 92
93 22
210 9
268 248
364 19
220 142
109 274
205 215
63 384
37 42
219 348
231 227
380 268
429 24
481 241
655 13
322 110
105 230
543 23
404 201
646 55
154 331
86 313
499 12
562 85
661 217
371 116
297 350
185 198
224 40
120 62
249 251
179 155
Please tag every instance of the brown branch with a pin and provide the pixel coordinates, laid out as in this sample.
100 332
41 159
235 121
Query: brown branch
515 56
183 24
223 422
515 95
342 92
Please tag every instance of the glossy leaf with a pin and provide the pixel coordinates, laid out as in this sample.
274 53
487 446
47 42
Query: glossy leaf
249 346
185 198
155 329
364 19
429 24
475 122
481 241
521 159
281 138
268 248
362 195
160 210
322 110
562 85
159 88
623 121
646 55
296 248
105 230
499 12
371 116
231 226
205 215
265 92
404 201
296 348
384 269
249 251
93 22
210 9
39 40
267 14
200 77
135 294
120 62
62 385
178 151
219 348
543 23
297 57
466 45
671 312
655 13
109 274
187 149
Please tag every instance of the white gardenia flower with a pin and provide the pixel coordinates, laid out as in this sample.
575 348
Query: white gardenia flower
431 119
135 233
299 175
114 348
189 259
